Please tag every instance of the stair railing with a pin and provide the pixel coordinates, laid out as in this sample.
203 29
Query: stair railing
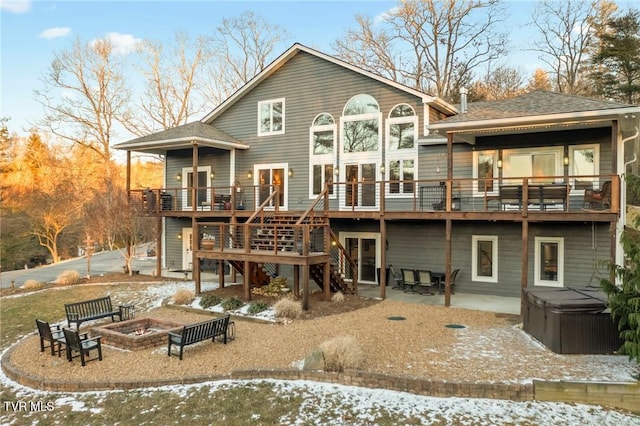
321 203
345 264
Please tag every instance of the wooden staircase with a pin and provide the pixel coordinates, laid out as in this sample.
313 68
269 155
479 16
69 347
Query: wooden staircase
257 275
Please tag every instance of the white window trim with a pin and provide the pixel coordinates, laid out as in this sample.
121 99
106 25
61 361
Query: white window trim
363 235
322 159
474 258
476 178
343 192
185 181
596 166
401 154
537 279
271 102
271 166
557 151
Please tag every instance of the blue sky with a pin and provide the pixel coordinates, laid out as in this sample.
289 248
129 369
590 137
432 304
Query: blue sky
31 31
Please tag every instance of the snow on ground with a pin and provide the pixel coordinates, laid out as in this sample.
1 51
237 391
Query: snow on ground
365 403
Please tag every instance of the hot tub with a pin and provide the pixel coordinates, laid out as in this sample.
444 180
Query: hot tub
570 320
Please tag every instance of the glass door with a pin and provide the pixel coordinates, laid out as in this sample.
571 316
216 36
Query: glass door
203 194
269 178
361 187
364 249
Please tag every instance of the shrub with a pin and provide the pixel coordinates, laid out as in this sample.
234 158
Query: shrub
209 300
32 285
338 297
277 286
68 278
342 352
256 308
287 309
231 303
183 296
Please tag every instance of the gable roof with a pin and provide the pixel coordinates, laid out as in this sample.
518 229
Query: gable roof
537 107
294 50
182 136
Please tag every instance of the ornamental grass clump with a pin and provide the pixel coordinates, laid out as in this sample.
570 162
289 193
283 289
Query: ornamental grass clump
231 303
338 297
68 278
342 352
287 309
257 307
182 296
209 300
32 285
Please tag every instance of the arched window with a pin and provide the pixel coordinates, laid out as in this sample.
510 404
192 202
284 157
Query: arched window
322 153
402 152
361 125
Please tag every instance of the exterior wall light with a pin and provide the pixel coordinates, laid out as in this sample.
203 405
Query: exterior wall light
290 172
179 235
499 164
212 175
178 176
249 174
566 161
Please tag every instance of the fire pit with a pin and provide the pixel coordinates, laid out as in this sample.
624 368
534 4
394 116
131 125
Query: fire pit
136 334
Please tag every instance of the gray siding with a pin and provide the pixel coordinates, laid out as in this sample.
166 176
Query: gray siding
422 245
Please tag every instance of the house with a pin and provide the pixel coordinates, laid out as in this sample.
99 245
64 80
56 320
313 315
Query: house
326 173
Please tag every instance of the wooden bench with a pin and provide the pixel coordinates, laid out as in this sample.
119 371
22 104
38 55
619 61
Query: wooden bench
88 310
194 333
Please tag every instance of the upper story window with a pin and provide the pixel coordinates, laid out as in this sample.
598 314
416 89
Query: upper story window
361 125
322 154
271 117
323 131
402 125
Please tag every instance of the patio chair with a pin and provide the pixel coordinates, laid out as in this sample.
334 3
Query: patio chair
598 198
454 275
82 345
397 279
55 337
425 282
409 281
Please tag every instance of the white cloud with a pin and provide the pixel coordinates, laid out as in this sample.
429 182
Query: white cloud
55 32
380 18
122 43
15 6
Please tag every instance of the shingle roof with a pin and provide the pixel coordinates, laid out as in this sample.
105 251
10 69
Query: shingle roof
186 133
536 103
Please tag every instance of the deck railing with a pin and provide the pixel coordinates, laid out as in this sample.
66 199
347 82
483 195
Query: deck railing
519 194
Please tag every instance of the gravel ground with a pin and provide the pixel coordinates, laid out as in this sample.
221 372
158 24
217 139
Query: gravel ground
491 347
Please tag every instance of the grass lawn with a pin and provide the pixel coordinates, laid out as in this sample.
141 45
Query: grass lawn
244 403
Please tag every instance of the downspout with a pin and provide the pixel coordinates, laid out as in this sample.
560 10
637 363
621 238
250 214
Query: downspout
623 194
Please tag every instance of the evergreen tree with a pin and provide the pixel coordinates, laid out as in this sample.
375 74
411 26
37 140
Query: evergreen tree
624 300
618 58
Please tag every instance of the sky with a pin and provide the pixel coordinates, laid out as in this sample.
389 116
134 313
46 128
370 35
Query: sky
32 31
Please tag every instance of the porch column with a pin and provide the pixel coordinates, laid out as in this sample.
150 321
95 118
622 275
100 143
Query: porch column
447 263
305 287
247 278
158 246
614 170
383 243
524 272
195 236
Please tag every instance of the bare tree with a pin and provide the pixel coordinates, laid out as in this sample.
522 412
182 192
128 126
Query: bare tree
566 30
173 78
430 45
244 46
85 95
500 83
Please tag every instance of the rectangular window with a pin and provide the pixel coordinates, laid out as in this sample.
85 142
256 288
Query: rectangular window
402 136
271 117
322 173
542 164
484 258
361 135
584 162
549 261
485 170
401 173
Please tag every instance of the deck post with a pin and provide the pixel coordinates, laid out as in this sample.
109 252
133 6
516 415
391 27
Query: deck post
447 272
247 278
305 287
524 272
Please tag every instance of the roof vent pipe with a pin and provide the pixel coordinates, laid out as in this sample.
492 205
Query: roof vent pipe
463 100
